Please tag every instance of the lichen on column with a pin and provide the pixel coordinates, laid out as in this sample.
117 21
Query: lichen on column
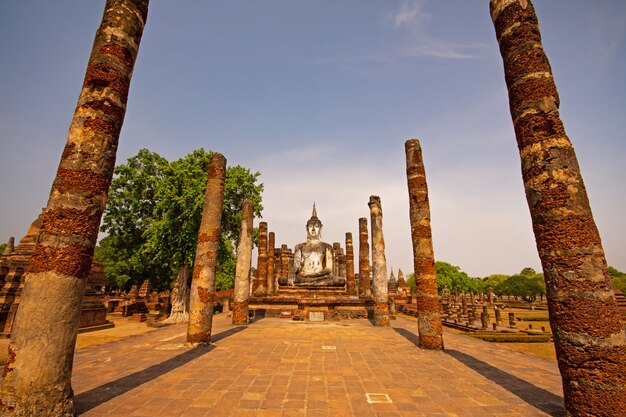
271 263
379 264
38 371
350 282
259 285
428 318
242 271
584 316
202 294
364 260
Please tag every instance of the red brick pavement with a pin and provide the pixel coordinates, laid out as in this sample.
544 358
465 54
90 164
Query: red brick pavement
276 367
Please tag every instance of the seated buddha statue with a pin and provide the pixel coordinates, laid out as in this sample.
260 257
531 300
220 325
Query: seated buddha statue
313 259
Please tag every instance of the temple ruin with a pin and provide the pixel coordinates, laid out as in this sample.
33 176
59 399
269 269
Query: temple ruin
314 280
14 264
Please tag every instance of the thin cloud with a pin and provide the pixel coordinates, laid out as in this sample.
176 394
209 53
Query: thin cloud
441 49
410 14
614 33
411 18
409 24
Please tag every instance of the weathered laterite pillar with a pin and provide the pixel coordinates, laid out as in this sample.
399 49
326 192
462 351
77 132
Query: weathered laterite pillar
244 260
259 285
271 258
251 279
350 283
336 252
364 260
277 267
342 263
38 371
202 294
291 267
284 261
428 319
379 264
588 333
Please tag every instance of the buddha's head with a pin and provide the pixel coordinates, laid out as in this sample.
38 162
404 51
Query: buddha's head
313 226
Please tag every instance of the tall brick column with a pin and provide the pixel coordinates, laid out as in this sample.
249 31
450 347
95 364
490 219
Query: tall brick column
259 285
242 272
37 374
428 319
342 263
202 294
350 282
364 260
271 265
284 261
585 320
336 253
379 264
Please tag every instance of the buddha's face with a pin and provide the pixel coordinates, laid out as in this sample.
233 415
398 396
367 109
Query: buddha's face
313 230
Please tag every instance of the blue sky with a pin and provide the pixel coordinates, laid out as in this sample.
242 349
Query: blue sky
320 96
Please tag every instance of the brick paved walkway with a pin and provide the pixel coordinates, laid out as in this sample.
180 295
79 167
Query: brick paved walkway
277 367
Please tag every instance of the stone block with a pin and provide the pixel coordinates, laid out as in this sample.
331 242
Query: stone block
316 316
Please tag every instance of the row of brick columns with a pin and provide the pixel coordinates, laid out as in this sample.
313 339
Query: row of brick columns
273 262
263 282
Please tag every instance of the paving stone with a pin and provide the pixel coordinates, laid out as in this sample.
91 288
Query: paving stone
278 368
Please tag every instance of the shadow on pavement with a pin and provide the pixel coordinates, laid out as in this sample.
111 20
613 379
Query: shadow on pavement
411 337
255 319
533 395
99 395
223 335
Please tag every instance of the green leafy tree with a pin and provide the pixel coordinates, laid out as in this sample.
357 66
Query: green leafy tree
171 238
537 287
129 213
115 261
240 184
618 279
167 201
227 264
449 276
2 247
452 277
492 281
411 283
527 285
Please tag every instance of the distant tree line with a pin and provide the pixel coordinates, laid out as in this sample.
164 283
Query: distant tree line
618 279
153 215
528 285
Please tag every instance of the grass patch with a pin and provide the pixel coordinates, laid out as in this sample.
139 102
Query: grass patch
534 318
542 350
510 337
